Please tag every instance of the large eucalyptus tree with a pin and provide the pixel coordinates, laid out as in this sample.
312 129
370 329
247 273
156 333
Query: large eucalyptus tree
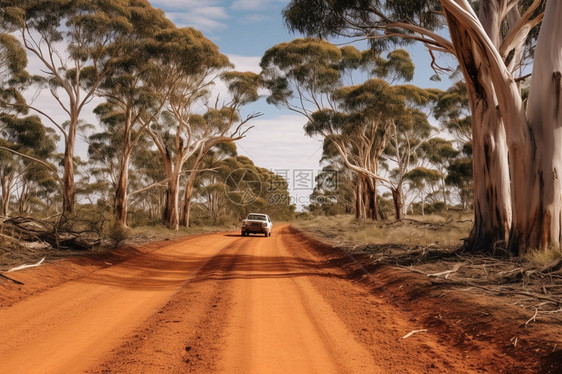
224 126
190 64
136 92
75 44
491 40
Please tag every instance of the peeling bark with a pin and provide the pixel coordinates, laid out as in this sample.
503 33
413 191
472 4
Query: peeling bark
68 175
186 211
538 223
5 200
120 204
398 204
121 198
171 214
492 202
492 185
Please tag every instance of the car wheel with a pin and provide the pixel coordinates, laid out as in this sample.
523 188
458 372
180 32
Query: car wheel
243 233
270 233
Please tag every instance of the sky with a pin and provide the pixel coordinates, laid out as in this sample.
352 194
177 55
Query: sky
243 30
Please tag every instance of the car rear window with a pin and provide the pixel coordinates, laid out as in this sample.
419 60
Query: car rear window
256 217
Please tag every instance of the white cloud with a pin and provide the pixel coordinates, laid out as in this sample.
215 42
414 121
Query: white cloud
205 24
183 5
206 16
254 18
211 12
280 143
253 4
246 63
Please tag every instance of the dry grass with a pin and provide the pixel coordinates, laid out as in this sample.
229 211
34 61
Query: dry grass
545 256
144 234
449 229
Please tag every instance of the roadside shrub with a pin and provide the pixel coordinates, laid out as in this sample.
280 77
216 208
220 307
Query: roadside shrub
117 233
436 207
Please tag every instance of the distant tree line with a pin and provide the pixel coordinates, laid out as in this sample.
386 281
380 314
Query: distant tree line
162 141
377 134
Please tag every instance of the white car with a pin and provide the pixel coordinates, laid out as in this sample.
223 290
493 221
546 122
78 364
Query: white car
257 223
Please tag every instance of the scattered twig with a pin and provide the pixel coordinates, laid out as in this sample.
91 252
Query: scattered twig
550 311
533 318
411 269
514 341
446 273
539 296
25 266
412 333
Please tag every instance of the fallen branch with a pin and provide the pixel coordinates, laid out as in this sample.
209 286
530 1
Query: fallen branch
10 279
412 333
25 266
538 296
448 272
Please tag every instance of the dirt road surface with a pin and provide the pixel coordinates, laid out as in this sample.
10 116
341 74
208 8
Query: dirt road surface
223 303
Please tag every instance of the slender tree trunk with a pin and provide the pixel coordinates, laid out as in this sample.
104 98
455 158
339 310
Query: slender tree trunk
22 201
538 219
121 199
172 197
5 197
68 197
444 192
68 183
186 211
359 198
120 202
171 209
372 199
397 200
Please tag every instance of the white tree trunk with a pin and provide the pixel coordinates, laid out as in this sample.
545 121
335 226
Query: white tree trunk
539 214
492 197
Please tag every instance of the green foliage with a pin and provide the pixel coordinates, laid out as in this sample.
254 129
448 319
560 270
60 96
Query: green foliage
323 18
398 66
187 49
243 86
311 65
13 60
439 150
421 176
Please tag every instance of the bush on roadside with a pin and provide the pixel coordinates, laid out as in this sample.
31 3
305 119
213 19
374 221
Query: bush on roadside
117 233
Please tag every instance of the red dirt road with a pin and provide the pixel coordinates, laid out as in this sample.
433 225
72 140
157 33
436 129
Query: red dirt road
224 303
